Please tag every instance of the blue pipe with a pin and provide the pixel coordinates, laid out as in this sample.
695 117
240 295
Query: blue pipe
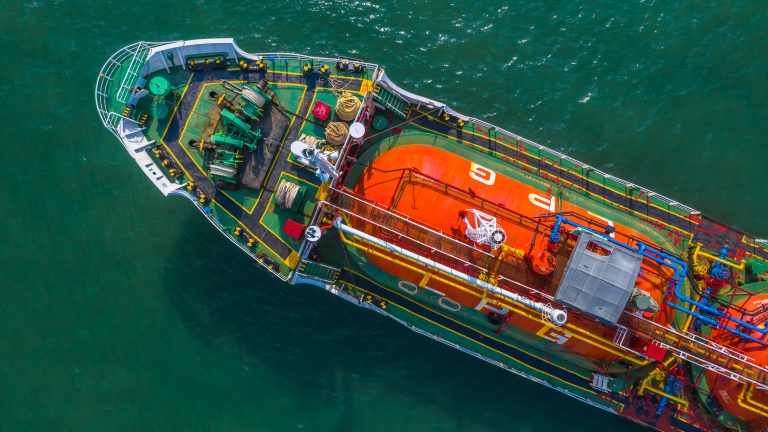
671 387
554 236
719 271
681 269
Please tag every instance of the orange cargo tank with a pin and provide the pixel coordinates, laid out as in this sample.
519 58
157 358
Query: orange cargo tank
392 180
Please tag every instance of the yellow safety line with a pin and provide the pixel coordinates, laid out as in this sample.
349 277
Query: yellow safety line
173 113
194 107
288 129
759 246
521 309
274 161
480 343
261 242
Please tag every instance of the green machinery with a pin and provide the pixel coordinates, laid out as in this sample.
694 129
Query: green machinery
237 133
224 140
224 166
237 130
252 100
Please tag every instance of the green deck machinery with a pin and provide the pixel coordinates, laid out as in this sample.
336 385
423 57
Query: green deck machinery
224 166
238 130
224 140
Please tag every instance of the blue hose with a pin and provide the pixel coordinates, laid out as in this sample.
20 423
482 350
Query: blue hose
681 269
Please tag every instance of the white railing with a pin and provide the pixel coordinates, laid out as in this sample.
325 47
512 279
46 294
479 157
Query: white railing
465 263
655 332
406 96
105 85
701 351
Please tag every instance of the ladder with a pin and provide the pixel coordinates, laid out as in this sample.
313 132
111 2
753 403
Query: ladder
389 100
128 83
316 270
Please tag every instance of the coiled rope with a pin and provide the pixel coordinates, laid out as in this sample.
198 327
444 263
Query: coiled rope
311 141
336 133
347 106
257 98
286 193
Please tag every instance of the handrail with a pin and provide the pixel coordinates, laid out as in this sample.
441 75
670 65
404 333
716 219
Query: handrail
464 263
575 162
557 316
702 352
468 119
705 353
104 89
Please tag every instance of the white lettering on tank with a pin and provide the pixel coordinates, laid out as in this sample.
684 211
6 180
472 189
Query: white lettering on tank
484 304
547 204
482 174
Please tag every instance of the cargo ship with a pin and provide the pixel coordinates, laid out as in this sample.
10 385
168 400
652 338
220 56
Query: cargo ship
326 173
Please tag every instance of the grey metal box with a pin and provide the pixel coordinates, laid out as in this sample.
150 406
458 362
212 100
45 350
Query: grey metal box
599 278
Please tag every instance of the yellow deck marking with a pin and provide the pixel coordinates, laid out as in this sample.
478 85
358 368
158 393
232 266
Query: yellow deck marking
197 100
183 131
287 130
261 219
261 242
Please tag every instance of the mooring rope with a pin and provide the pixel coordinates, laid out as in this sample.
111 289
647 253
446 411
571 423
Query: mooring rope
336 133
347 106
286 193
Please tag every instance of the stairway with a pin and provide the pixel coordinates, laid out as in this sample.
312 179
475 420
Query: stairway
315 270
132 74
389 100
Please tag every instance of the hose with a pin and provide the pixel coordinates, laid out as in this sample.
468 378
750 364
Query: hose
347 107
336 133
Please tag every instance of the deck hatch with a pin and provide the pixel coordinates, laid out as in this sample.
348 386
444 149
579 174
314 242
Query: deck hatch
599 278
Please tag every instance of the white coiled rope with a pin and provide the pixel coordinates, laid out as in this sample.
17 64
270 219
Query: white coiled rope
286 193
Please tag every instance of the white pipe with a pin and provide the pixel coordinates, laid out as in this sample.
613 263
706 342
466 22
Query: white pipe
558 316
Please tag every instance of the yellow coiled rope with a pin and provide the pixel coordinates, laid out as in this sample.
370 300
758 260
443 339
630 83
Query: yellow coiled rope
347 106
336 133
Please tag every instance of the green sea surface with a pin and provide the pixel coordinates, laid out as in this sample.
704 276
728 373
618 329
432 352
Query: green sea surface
125 311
